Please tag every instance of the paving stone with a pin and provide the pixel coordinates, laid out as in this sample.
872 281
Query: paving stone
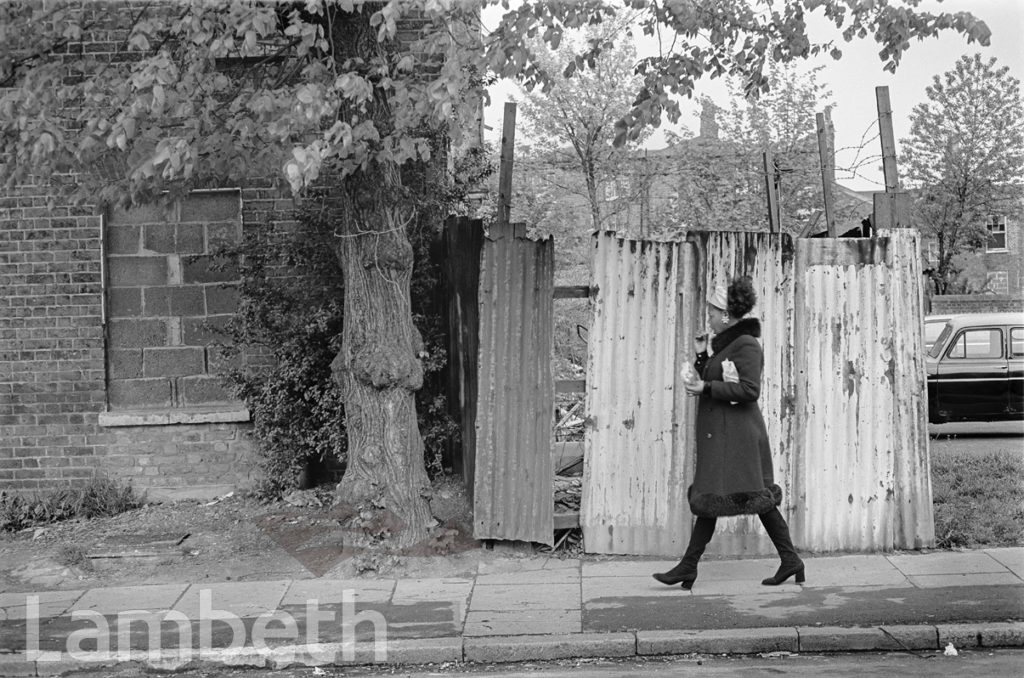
597 588
51 603
526 596
329 591
562 575
626 568
546 647
969 579
523 622
871 570
454 592
746 587
510 565
719 641
946 563
1012 558
16 665
116 599
243 599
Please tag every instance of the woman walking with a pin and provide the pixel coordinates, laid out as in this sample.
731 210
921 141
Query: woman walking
734 463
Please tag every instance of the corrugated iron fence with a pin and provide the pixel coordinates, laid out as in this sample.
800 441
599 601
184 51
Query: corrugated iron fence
843 391
501 287
634 468
862 482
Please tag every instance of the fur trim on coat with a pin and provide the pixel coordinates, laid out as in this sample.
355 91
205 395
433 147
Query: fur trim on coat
739 504
745 326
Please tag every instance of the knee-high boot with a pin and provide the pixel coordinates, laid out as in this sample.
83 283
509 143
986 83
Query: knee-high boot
686 571
778 531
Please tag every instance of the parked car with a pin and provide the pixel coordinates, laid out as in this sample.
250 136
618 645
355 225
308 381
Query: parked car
933 325
976 369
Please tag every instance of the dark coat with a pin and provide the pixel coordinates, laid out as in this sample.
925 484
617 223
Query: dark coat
734 461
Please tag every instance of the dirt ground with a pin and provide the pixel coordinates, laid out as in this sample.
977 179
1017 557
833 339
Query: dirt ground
234 538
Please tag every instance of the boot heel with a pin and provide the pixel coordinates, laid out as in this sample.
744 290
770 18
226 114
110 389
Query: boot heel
800 579
688 582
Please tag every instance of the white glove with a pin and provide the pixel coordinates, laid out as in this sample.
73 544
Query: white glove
729 374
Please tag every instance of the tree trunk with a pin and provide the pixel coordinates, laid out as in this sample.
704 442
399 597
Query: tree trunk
378 367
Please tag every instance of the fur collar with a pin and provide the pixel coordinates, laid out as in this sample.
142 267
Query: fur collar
751 326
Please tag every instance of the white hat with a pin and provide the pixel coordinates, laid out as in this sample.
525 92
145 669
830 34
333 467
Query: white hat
719 298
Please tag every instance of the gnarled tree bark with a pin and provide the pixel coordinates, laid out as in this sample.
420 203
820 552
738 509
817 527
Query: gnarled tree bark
378 368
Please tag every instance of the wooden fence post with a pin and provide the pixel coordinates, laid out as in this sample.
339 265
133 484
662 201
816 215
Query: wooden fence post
508 144
828 169
892 208
771 182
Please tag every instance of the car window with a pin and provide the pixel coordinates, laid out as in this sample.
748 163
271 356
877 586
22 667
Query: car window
1017 342
974 344
936 348
932 331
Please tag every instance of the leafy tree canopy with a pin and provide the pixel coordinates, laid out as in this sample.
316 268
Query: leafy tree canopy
965 158
200 93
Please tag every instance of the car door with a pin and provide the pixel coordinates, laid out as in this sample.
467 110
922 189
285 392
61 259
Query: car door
972 375
1015 371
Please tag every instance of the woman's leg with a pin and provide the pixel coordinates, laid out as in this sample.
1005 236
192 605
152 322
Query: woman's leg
686 571
778 531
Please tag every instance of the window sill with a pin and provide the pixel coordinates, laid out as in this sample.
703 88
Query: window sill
171 417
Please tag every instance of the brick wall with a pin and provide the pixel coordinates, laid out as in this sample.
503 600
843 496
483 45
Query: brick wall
976 303
144 403
51 341
1004 267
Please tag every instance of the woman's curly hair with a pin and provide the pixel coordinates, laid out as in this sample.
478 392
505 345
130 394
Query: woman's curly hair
742 296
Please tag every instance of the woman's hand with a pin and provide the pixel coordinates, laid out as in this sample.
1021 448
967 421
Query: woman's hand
695 387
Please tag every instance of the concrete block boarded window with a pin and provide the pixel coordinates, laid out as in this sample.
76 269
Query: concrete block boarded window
164 295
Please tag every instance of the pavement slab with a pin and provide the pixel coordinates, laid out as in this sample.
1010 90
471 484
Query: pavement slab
522 622
242 599
933 581
1011 558
326 591
853 570
525 597
50 603
946 562
562 575
626 568
115 599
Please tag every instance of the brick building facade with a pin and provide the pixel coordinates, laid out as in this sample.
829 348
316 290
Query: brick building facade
108 356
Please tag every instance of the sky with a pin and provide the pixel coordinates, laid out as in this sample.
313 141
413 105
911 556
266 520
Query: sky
853 79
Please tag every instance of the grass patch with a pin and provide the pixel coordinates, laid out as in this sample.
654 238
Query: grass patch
978 499
98 498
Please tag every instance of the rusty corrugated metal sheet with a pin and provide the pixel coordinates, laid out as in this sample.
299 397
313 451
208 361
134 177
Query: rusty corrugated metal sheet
462 242
513 495
914 526
768 259
634 477
862 463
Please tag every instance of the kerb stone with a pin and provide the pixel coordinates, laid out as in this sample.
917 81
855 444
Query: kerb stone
719 641
535 648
